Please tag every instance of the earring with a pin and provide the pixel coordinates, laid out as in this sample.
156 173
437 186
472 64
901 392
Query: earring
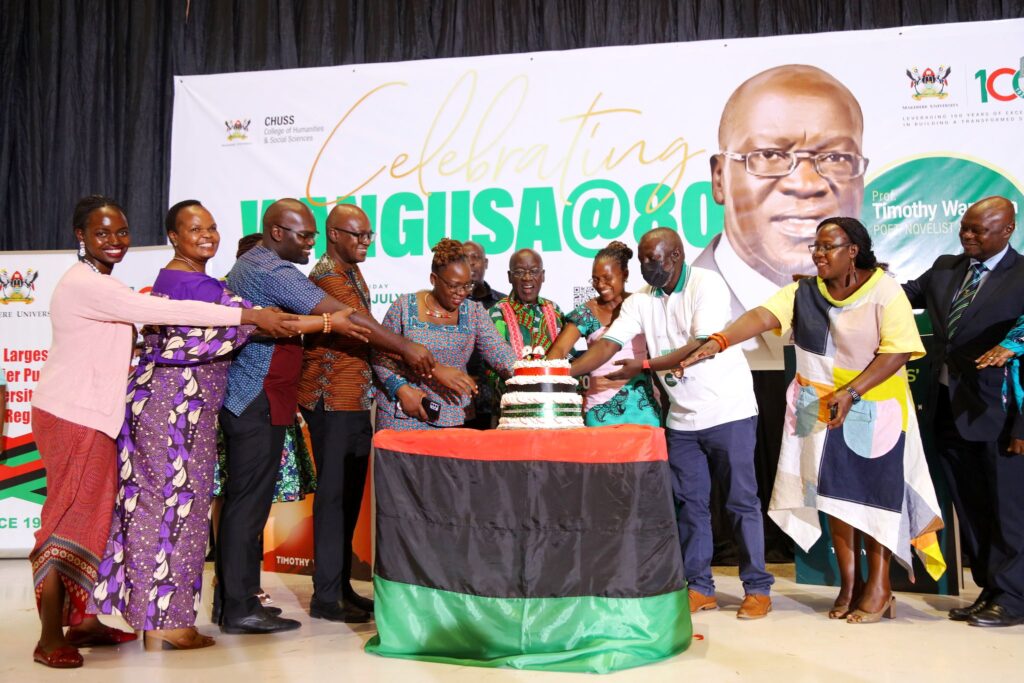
81 250
851 275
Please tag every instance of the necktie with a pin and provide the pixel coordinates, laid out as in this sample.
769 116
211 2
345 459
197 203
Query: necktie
964 297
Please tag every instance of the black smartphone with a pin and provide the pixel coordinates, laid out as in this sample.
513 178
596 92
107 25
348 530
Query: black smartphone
833 410
432 408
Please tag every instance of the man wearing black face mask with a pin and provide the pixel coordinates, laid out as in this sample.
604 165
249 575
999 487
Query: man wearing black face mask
712 417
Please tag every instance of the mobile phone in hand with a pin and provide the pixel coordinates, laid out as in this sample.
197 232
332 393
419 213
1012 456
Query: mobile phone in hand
833 410
432 408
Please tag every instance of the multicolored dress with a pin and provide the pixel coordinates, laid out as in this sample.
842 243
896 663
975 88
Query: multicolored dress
152 570
296 477
615 402
451 345
870 472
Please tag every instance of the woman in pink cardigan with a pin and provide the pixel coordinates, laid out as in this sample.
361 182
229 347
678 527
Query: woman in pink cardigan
77 411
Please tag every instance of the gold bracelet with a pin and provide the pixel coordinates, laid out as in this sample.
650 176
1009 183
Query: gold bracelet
327 323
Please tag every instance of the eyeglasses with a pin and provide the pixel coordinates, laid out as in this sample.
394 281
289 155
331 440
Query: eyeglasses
520 273
457 288
597 281
824 248
777 163
303 235
361 237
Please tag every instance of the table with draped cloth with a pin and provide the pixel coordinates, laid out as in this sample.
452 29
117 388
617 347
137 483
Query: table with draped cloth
531 549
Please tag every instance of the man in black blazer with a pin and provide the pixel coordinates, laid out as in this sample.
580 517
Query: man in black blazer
973 300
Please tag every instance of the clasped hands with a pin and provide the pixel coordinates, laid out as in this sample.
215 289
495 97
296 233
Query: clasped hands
455 382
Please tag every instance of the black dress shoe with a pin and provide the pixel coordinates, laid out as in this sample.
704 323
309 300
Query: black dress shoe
259 622
338 611
215 612
995 615
965 613
356 600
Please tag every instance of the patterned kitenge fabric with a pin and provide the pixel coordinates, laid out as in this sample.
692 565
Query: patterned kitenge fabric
614 402
152 570
534 329
871 471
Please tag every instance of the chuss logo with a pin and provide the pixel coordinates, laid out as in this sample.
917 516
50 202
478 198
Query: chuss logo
238 130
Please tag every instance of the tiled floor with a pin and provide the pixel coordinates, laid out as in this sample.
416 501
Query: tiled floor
795 643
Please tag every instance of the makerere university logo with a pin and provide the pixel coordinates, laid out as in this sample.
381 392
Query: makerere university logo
237 130
930 83
16 288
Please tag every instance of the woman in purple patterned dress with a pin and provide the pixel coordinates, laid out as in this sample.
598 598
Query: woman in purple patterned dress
152 570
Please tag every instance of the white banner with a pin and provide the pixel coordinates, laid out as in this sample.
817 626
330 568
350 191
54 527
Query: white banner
563 152
27 279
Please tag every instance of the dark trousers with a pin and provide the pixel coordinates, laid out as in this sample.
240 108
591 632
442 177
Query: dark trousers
986 484
341 450
253 458
725 453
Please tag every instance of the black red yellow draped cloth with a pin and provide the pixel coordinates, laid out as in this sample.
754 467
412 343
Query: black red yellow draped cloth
552 550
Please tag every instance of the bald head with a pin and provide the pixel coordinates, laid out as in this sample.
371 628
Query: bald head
349 234
289 230
986 227
661 258
666 236
787 81
526 275
283 207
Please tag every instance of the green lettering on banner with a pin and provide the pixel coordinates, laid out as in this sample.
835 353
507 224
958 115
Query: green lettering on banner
538 220
439 224
595 218
661 217
252 215
485 210
401 235
701 217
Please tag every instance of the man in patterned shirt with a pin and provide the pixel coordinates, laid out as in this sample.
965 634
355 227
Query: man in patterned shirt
335 399
261 402
523 318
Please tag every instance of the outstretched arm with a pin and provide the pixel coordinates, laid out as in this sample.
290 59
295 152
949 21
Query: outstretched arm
755 321
599 353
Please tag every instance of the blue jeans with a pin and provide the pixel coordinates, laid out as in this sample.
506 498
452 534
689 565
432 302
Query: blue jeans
725 452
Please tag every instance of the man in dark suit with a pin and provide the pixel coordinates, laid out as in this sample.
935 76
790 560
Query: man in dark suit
973 300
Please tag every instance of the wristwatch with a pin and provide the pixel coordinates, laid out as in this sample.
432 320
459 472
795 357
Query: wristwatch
854 394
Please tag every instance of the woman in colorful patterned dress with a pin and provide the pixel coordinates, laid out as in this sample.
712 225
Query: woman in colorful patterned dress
851 446
451 326
152 570
77 410
611 398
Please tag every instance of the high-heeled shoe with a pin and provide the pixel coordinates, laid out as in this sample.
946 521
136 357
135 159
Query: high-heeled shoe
839 611
154 641
859 616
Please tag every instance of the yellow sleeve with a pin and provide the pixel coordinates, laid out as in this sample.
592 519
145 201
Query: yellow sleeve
780 305
899 329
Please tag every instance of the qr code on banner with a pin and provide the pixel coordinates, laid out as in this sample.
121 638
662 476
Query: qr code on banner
581 295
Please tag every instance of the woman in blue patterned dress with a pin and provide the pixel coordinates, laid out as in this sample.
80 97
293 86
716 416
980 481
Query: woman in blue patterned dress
614 395
449 324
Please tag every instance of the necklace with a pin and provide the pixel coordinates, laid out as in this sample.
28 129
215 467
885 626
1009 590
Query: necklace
432 312
91 265
187 262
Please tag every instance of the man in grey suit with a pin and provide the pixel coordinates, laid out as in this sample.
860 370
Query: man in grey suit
973 300
790 156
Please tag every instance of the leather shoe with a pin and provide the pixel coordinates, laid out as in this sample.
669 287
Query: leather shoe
357 600
338 611
965 613
754 606
259 622
215 612
63 657
995 615
700 602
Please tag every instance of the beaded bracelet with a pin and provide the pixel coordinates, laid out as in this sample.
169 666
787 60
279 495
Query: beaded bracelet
327 323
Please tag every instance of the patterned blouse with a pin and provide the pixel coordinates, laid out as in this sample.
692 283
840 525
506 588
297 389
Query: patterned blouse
451 345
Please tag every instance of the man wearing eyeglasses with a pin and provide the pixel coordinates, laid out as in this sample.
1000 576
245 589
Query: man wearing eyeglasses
523 318
790 156
261 401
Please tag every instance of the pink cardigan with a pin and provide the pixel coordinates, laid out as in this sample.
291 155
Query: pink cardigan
85 376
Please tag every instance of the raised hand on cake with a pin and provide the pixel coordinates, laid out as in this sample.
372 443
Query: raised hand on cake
410 399
455 380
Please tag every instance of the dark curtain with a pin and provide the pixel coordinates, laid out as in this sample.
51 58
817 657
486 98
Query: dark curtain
86 89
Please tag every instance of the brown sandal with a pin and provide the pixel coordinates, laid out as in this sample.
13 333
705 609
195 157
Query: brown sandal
155 641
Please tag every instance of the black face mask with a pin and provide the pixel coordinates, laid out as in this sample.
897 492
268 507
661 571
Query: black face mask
655 274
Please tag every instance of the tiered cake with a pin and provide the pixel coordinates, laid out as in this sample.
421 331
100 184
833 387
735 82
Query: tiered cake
541 394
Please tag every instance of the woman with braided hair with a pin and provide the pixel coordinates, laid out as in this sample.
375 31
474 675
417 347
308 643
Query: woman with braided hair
451 326
612 397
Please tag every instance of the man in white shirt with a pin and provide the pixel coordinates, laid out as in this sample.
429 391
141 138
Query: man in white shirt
712 420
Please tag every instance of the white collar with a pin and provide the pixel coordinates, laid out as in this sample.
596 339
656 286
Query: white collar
747 285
